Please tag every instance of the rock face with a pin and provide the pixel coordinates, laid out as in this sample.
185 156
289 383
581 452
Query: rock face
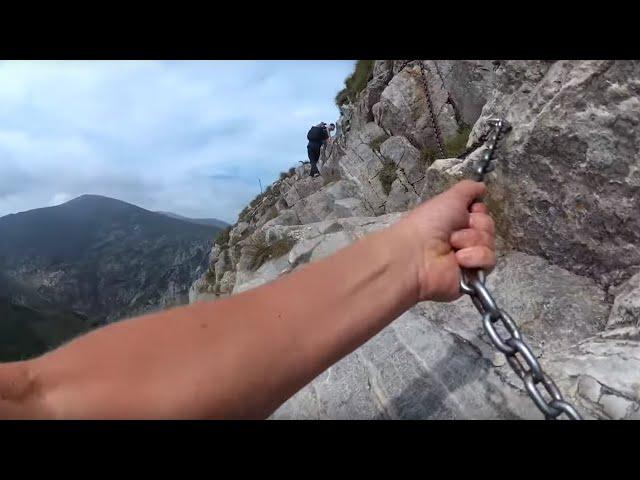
404 110
626 306
436 362
568 185
565 196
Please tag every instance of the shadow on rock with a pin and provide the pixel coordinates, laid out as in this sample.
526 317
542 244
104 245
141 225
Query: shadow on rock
436 393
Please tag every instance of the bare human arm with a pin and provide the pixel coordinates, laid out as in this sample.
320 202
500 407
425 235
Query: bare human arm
243 356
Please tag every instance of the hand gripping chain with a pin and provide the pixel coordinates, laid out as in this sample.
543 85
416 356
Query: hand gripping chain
472 283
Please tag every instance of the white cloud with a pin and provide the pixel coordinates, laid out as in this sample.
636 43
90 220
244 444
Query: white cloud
188 137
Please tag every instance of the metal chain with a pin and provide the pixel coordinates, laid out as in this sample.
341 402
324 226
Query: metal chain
498 127
472 283
423 80
434 124
474 146
403 64
435 64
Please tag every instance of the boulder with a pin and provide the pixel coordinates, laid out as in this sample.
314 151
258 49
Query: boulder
567 179
626 306
404 110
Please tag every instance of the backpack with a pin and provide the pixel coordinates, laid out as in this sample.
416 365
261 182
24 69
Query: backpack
316 134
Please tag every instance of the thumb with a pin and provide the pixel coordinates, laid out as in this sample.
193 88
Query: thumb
468 191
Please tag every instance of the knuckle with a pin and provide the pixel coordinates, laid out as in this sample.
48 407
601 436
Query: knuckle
470 235
482 221
488 239
489 256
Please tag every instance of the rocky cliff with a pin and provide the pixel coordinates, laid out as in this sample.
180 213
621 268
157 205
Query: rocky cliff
565 195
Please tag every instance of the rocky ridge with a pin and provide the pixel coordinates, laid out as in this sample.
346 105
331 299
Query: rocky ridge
564 195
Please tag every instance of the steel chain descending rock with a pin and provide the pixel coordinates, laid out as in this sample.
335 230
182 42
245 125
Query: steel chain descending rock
434 124
472 283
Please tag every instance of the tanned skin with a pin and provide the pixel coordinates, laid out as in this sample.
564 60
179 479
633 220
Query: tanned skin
241 357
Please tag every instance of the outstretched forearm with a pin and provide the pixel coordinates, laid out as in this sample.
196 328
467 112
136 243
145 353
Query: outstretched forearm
243 356
238 357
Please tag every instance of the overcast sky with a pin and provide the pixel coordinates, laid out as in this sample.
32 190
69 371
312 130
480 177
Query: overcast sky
187 137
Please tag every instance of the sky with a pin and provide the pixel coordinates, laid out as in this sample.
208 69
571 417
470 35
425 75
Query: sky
189 137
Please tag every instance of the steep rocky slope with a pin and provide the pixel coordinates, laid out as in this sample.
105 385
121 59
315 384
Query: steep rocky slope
31 324
565 197
27 332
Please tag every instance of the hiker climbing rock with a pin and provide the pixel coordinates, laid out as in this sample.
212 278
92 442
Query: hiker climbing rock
244 355
318 136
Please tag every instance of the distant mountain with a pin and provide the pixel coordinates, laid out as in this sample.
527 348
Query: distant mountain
101 258
214 222
12 289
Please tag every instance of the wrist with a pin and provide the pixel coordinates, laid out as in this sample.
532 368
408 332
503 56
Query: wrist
406 259
428 261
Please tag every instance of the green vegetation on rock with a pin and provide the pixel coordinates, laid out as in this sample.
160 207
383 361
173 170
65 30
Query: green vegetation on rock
223 237
453 147
355 82
261 251
376 142
428 156
457 144
387 176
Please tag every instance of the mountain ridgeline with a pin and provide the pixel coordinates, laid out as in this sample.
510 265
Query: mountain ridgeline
213 222
91 261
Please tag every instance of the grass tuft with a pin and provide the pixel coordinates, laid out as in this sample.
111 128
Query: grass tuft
427 157
260 251
376 142
223 237
356 82
387 176
458 143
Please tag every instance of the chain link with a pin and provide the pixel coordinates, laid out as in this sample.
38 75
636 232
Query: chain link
434 124
435 64
432 115
403 64
513 347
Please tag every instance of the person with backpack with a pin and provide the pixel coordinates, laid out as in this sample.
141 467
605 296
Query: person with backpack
317 136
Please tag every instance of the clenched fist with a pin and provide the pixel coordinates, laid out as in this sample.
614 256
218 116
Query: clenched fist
451 231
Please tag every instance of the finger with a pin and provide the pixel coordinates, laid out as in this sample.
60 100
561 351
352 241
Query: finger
471 237
481 221
469 190
479 207
476 257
